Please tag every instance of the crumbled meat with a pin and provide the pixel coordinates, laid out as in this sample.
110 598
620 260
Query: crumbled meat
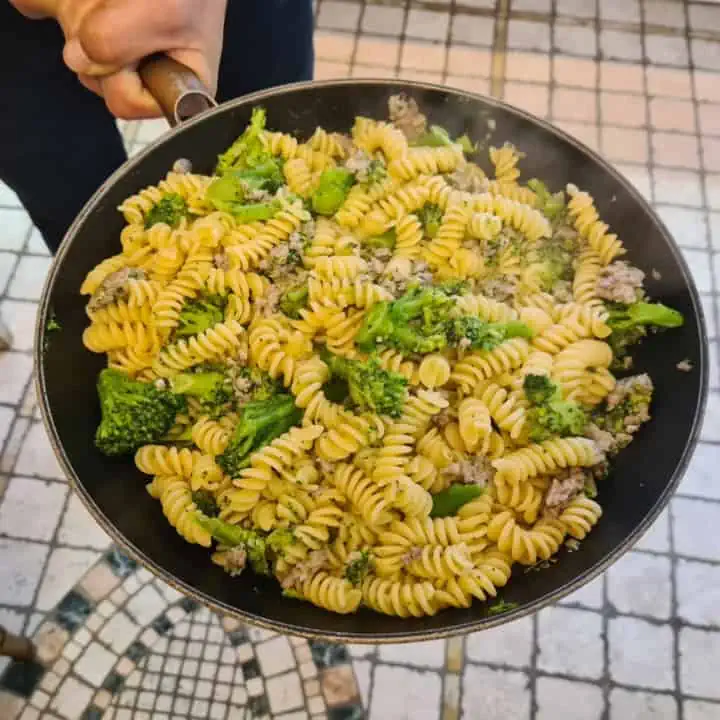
572 544
359 163
182 166
475 471
221 261
469 178
400 272
656 275
564 487
562 291
256 195
620 282
502 289
114 287
685 365
406 116
443 418
242 389
268 303
326 468
233 560
414 553
637 383
603 439
316 560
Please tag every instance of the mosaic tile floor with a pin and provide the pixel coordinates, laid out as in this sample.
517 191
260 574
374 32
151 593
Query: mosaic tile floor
640 82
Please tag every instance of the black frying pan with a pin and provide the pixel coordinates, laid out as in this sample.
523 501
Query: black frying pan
643 478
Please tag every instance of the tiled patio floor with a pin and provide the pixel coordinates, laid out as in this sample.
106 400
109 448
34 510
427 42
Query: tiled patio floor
640 82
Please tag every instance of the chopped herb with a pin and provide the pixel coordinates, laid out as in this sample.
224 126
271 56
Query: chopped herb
501 607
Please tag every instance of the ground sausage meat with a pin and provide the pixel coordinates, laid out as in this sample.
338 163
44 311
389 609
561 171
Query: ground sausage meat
406 116
620 282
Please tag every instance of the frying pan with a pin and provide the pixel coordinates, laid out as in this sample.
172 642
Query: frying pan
644 475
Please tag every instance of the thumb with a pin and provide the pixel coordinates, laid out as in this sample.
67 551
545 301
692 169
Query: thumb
77 60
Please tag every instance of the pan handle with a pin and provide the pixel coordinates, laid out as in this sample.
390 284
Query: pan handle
177 89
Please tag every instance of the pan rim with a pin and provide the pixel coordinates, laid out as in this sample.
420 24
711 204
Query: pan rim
481 623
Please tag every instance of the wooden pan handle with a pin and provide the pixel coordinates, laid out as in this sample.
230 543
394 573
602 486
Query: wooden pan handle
177 89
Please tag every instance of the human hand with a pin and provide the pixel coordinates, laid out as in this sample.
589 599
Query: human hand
106 39
35 9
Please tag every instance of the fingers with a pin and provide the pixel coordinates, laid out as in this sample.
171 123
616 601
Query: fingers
77 60
126 97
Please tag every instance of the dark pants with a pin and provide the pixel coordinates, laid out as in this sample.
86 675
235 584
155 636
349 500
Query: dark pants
58 142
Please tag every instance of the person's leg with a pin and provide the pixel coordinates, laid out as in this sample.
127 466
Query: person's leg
58 142
267 42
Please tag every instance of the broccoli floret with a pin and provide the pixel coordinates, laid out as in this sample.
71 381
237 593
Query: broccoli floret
376 172
279 539
450 500
626 414
357 569
501 607
414 323
630 323
453 288
254 544
248 150
52 324
233 191
476 334
430 216
553 262
260 386
386 240
551 416
370 387
198 315
294 300
332 190
438 137
171 209
549 205
213 390
205 502
133 413
260 423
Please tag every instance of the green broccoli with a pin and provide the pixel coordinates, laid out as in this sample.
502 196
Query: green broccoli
358 567
260 423
231 192
414 323
213 389
553 262
376 172
482 335
254 544
198 315
626 416
453 288
279 539
294 300
450 500
52 327
332 190
171 209
248 150
133 413
630 323
550 415
386 240
501 606
430 216
370 387
205 502
260 386
549 205
439 137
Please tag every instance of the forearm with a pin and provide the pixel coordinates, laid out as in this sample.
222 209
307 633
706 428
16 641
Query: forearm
36 9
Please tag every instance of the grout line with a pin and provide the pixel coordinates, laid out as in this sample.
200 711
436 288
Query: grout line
499 49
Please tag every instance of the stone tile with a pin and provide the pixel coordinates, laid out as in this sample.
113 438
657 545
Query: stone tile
284 692
7 266
7 416
16 227
712 187
36 456
526 35
700 710
667 13
641 653
338 685
711 153
568 700
363 670
668 82
10 705
619 45
146 605
691 520
469 84
711 423
427 25
468 61
338 15
670 114
575 40
372 71
339 48
699 659
640 584
537 6
95 663
419 699
531 98
15 370
620 11
687 226
622 109
151 130
21 565
509 644
71 699
622 77
527 67
624 144
36 245
423 56
641 705
700 478
31 508
14 435
65 567
29 277
698 592
493 695
49 642
275 656
472 30
80 529
577 105
119 632
705 54
657 537
577 8
560 652
639 177
7 196
381 20
679 187
424 654
675 150
709 115
584 132
665 50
